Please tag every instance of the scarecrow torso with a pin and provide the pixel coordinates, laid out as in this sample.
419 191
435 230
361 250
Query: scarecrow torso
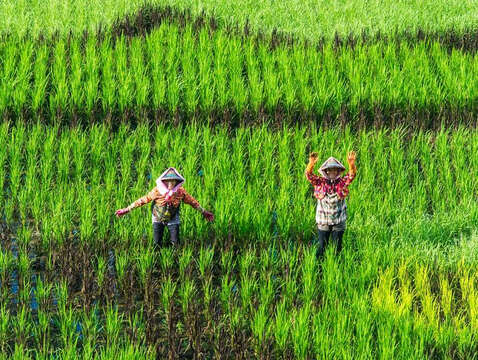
167 212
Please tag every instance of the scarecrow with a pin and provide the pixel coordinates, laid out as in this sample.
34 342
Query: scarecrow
330 189
166 199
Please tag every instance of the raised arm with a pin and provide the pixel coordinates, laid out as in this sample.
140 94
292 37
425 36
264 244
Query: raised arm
309 170
352 168
140 202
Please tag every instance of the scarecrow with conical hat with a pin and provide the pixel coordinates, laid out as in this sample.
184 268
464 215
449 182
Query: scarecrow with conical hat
166 198
330 189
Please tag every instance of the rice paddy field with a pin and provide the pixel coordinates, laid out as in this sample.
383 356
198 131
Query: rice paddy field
98 98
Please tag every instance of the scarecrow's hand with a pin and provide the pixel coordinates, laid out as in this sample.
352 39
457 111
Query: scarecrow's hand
351 157
313 157
208 215
121 212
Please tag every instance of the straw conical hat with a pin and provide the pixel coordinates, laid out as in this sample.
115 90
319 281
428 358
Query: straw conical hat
330 163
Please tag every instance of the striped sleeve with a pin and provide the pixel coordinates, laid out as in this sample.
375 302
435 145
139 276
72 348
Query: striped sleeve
188 199
144 200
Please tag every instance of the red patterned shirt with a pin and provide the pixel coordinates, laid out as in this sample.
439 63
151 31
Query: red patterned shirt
181 195
331 206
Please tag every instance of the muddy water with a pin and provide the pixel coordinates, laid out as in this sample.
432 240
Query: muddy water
11 244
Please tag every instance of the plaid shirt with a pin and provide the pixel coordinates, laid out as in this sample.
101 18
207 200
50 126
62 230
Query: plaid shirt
331 206
181 195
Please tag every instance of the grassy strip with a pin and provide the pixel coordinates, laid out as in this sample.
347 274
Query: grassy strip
405 189
323 19
180 74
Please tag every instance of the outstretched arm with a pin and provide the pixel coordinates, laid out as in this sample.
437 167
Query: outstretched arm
140 202
188 199
309 170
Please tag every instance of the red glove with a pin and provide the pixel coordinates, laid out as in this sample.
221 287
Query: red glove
208 215
121 212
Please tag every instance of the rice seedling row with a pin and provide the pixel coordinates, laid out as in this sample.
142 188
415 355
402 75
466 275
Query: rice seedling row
177 75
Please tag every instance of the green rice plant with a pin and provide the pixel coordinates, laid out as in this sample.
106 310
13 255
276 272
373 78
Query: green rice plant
121 263
40 78
3 158
309 276
282 327
9 57
42 332
124 78
60 91
205 260
260 329
22 326
92 79
220 69
90 330
272 87
173 82
68 336
189 70
289 87
23 263
20 352
301 331
43 292
6 265
364 325
166 261
76 76
205 80
227 262
20 93
108 76
267 290
140 73
226 295
168 288
386 339
145 264
63 160
248 286
187 292
185 261
155 54
5 327
255 83
237 90
15 159
137 325
113 325
301 65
